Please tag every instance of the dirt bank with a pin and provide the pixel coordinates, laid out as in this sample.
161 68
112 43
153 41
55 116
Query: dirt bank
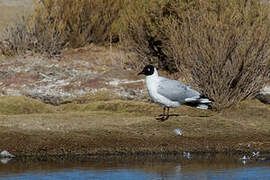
119 128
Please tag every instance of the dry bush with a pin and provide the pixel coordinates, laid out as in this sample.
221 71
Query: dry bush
55 25
223 45
144 32
21 38
80 21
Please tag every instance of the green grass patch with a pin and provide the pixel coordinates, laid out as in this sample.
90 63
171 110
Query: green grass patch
117 106
12 105
22 105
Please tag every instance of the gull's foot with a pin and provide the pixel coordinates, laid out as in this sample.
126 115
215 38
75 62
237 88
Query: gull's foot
162 118
174 115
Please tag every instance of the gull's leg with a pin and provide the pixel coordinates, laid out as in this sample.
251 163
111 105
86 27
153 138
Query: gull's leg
162 116
167 115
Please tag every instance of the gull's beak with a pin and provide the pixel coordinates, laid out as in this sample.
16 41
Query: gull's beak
141 73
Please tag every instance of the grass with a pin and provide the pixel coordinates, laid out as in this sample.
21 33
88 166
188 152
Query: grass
14 105
55 25
11 105
118 126
224 48
221 47
201 41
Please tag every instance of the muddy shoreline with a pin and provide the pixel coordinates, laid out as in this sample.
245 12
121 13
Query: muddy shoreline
80 149
101 134
62 146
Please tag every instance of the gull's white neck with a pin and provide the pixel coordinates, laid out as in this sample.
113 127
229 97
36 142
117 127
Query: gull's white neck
153 76
151 82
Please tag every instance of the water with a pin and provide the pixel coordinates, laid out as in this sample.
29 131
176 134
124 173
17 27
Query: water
202 168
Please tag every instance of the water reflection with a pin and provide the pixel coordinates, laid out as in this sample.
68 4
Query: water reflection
169 167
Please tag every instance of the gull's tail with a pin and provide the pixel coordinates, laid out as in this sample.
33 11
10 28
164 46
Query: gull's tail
200 102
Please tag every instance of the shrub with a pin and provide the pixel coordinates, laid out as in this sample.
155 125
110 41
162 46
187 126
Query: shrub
145 32
223 45
21 38
55 25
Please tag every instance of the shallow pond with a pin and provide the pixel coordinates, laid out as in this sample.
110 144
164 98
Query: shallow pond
160 167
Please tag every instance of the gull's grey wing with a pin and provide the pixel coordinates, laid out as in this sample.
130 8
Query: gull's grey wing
175 90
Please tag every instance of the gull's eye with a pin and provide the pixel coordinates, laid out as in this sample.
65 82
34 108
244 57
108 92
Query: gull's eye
148 69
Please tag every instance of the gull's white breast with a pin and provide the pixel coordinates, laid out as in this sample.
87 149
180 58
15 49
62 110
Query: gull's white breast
152 84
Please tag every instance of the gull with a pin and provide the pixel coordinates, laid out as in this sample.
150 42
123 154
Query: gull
171 93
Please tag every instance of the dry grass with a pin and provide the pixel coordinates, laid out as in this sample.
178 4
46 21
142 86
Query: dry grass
11 105
107 132
55 25
222 48
144 33
22 105
246 119
129 127
10 10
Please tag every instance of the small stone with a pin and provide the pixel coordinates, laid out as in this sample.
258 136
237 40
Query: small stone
6 154
187 155
255 154
178 132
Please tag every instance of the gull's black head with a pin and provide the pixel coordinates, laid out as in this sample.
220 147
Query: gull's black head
148 70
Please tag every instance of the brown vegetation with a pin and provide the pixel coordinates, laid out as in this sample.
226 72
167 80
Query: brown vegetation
128 127
225 47
222 46
145 33
55 25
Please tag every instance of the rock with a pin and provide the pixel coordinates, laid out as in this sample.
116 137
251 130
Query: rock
264 95
6 154
178 132
255 154
187 155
